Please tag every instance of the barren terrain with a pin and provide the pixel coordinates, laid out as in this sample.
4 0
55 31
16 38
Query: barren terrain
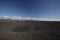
29 30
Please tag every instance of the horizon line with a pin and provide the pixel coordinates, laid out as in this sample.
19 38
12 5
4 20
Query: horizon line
28 18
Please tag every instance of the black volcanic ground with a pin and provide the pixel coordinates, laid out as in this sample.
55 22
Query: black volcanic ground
48 27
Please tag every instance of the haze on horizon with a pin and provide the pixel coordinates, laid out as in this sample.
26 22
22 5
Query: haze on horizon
30 8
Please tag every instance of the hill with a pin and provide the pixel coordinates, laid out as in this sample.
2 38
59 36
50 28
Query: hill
29 30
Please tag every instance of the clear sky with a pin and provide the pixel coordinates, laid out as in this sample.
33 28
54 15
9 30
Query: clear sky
30 8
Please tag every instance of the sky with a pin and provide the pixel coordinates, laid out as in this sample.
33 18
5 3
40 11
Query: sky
30 8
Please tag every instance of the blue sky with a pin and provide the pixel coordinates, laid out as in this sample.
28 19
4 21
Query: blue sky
30 8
